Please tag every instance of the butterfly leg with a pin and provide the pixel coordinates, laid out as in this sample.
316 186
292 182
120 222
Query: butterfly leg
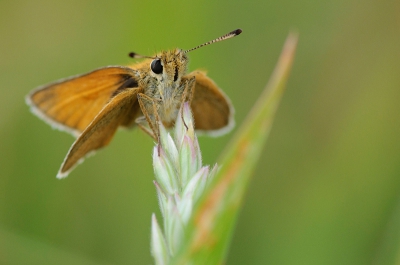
187 95
143 125
188 91
149 109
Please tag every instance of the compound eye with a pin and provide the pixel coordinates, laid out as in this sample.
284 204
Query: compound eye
156 66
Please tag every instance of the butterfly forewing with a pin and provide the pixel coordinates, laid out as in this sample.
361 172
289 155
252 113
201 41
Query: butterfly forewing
122 108
71 104
208 98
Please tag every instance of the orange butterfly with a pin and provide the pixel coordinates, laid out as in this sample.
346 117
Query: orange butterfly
92 106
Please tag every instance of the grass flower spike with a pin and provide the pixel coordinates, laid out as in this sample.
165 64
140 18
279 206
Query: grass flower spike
180 180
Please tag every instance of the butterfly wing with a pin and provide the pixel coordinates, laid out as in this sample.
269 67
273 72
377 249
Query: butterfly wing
71 104
121 109
212 109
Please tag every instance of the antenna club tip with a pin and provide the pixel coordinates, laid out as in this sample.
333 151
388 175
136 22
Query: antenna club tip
237 32
132 54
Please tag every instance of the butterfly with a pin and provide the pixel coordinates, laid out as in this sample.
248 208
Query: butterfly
94 105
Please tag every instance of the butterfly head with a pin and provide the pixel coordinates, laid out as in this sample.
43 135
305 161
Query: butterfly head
169 67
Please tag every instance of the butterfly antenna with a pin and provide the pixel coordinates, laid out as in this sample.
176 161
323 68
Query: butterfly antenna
225 37
138 56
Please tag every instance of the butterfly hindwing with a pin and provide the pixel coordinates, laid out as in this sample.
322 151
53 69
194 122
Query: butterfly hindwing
71 104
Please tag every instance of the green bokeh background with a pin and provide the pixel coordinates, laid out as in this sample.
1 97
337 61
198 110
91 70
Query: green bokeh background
327 187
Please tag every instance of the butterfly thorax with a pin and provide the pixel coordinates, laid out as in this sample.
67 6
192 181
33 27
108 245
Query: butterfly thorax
165 87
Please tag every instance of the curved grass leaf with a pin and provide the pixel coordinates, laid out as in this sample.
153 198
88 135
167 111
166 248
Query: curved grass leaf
388 247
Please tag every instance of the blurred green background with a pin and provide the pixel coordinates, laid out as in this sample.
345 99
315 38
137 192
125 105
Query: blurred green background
327 187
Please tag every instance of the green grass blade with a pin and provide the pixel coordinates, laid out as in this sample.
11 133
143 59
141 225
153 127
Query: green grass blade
210 230
388 247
